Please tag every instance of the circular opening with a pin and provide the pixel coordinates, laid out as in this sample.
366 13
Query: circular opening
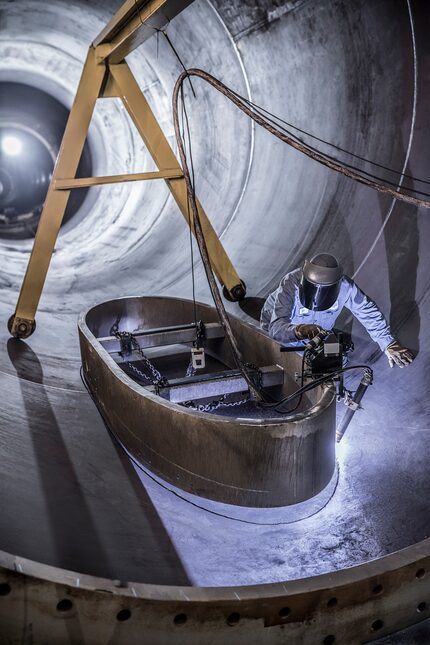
421 607
332 602
420 573
64 605
378 624
180 619
124 614
4 589
284 612
31 129
234 618
329 640
377 589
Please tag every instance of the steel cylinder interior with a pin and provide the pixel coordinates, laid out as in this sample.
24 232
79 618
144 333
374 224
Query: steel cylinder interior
354 74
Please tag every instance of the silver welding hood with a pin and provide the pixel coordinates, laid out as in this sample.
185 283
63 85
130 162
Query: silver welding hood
320 282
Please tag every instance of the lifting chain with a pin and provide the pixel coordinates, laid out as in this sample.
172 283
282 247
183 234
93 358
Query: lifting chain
214 405
129 343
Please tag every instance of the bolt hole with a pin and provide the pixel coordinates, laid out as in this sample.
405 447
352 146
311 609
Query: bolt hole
332 602
421 607
180 619
284 612
378 624
420 573
123 614
233 619
377 589
64 605
4 589
329 640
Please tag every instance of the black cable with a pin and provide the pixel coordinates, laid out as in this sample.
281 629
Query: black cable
157 30
328 143
138 12
312 385
336 159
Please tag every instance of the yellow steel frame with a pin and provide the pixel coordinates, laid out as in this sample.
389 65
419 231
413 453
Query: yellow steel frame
106 74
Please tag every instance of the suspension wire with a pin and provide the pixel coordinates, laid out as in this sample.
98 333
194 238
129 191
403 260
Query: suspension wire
179 59
261 109
188 176
190 226
324 159
278 119
165 34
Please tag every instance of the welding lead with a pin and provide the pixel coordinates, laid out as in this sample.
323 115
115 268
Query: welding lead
354 404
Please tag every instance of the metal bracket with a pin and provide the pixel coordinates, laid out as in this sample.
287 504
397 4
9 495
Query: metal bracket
21 327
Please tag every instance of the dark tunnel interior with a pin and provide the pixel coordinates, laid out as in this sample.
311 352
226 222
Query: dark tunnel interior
32 123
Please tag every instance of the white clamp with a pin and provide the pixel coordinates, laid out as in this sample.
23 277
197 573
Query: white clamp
198 358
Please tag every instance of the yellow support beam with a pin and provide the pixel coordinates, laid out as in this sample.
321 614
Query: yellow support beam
149 129
135 22
103 76
85 182
90 86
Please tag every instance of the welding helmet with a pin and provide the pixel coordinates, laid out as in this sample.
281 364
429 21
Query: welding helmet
320 282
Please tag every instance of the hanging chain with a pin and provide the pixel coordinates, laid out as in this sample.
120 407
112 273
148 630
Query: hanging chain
138 372
128 344
215 405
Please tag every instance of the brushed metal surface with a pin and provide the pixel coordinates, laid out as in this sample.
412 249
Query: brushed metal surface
250 461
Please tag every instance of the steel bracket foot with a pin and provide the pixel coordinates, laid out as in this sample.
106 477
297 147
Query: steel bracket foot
21 327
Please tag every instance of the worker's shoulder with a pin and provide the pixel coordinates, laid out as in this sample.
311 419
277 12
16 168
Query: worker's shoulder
347 284
291 279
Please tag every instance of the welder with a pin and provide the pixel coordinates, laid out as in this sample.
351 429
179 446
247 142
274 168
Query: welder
310 299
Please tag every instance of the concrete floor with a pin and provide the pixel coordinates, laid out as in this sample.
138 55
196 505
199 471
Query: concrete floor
356 74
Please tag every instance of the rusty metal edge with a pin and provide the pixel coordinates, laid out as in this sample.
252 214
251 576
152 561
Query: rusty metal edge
412 555
359 604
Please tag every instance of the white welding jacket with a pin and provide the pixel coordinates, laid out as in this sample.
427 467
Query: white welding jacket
283 310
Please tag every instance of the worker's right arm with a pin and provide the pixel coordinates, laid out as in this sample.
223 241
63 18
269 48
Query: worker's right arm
280 325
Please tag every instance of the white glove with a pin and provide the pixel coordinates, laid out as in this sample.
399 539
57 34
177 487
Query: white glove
398 355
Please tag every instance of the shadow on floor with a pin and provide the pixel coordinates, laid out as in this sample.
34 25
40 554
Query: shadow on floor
96 524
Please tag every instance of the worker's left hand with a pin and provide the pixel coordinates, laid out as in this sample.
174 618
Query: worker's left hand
398 355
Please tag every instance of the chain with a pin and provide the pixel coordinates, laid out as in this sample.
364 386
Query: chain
215 405
128 344
138 372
